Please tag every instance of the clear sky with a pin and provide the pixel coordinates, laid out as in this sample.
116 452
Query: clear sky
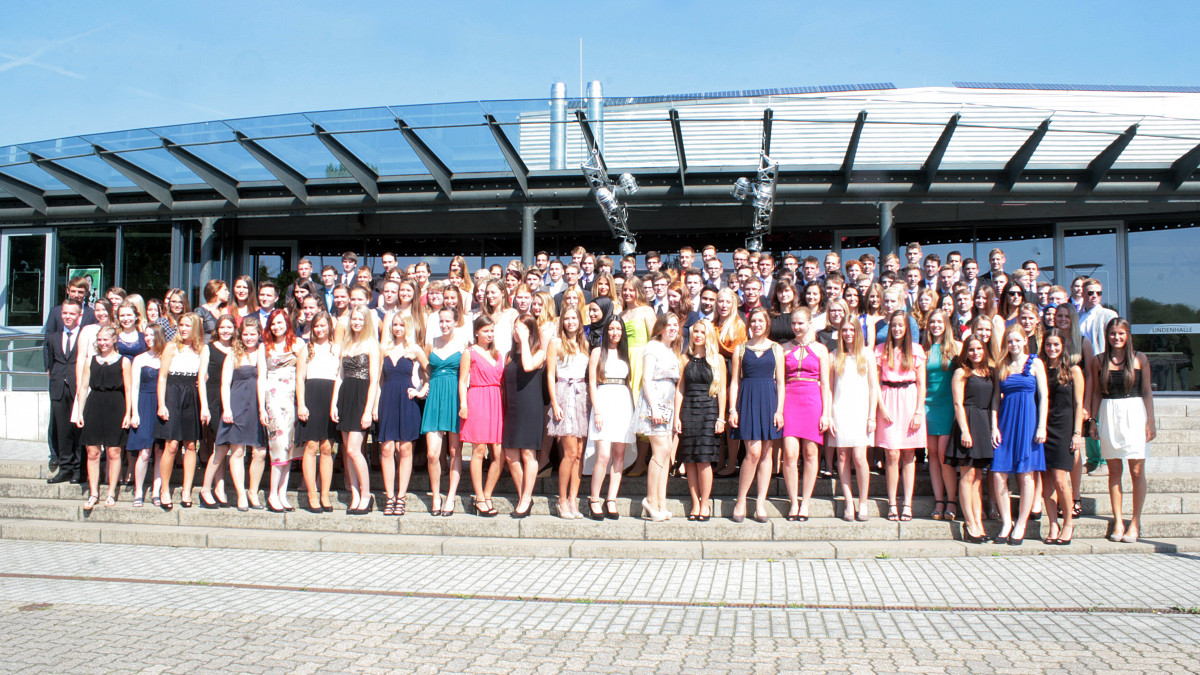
80 67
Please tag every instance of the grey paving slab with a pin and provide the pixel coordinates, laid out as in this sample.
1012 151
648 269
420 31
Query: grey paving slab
1005 581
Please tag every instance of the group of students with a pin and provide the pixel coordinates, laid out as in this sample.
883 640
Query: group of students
671 372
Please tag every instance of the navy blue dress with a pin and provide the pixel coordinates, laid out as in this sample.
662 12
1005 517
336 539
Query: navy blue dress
142 438
758 397
399 415
131 349
1017 421
247 427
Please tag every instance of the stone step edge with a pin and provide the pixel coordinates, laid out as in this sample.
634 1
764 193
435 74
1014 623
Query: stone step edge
210 537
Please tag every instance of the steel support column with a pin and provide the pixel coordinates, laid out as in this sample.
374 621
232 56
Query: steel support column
527 229
887 230
207 230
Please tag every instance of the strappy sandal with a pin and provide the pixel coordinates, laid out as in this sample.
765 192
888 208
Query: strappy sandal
1077 509
906 513
951 514
91 502
399 508
111 501
938 513
389 507
893 513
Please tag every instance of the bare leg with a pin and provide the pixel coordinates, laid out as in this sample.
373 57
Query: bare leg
404 462
791 477
1076 478
360 480
603 455
863 473
454 466
139 472
237 469
387 465
704 476
1115 471
156 488
892 470
1137 475
812 453
495 471
93 470
189 470
748 475
657 470
908 473
216 462
1037 493
971 499
433 464
1003 502
258 462
308 467
568 474
614 469
114 470
285 473
843 469
512 458
693 481
326 463
934 444
1028 496
165 466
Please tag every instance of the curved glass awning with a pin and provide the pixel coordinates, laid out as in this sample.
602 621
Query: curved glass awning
842 131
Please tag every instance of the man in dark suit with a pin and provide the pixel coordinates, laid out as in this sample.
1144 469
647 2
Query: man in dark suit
571 277
58 356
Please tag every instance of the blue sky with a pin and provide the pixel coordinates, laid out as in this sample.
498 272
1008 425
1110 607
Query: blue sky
79 67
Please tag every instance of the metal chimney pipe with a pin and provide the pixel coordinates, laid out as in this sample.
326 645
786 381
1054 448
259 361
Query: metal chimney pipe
595 111
558 126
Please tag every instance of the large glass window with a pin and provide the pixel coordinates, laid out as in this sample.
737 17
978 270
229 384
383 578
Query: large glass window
1019 243
146 259
25 280
1164 272
1092 252
90 251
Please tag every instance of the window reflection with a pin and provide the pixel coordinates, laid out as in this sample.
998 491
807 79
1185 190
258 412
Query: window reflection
1164 271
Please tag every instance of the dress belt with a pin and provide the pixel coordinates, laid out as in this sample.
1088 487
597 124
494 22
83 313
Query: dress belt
897 385
613 380
803 378
572 380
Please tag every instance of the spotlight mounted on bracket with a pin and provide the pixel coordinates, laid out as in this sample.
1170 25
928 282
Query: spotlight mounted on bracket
762 189
608 194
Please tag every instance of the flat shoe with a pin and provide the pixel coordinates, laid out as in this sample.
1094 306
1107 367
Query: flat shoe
1129 539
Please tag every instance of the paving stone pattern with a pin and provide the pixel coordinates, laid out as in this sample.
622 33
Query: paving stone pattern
158 609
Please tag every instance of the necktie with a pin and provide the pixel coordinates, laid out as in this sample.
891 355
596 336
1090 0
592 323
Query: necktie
68 341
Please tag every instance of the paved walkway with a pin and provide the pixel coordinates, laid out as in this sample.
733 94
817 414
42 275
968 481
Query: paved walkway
69 607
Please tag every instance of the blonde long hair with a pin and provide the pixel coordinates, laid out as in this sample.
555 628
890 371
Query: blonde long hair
711 355
353 345
196 341
856 350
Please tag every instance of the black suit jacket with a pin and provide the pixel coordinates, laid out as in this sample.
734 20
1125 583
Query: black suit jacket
60 366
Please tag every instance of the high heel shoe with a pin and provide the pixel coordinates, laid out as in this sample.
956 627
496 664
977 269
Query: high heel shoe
611 514
972 539
593 512
274 509
523 514
481 508
209 503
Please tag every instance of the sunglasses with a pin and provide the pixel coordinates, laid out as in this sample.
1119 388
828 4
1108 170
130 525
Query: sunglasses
1015 293
1094 293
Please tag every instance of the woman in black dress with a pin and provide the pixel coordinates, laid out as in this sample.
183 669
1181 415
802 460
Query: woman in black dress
971 441
1064 433
179 414
698 404
105 421
315 430
212 367
524 381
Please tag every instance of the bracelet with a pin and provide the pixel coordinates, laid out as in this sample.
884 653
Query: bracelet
721 420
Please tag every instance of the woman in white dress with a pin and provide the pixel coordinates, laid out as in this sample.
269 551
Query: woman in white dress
855 387
611 425
655 411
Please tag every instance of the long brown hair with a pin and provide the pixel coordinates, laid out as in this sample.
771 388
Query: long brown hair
1127 368
905 346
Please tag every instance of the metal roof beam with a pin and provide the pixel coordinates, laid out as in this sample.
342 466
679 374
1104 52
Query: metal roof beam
1099 167
152 184
434 164
590 137
930 168
218 180
32 196
768 120
365 175
511 156
292 179
1020 159
680 154
86 187
1183 168
852 147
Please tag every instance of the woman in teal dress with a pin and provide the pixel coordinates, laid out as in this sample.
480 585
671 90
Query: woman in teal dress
440 420
941 350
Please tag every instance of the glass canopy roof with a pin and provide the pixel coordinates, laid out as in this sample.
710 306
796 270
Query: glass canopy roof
810 129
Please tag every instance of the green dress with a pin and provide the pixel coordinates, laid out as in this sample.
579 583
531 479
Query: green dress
939 402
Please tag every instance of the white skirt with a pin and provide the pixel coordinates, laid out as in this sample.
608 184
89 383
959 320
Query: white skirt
1122 424
616 407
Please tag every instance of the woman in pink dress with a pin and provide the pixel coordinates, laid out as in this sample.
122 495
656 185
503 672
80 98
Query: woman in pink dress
805 412
482 410
900 428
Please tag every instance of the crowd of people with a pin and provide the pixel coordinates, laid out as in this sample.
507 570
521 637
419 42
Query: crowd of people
589 366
